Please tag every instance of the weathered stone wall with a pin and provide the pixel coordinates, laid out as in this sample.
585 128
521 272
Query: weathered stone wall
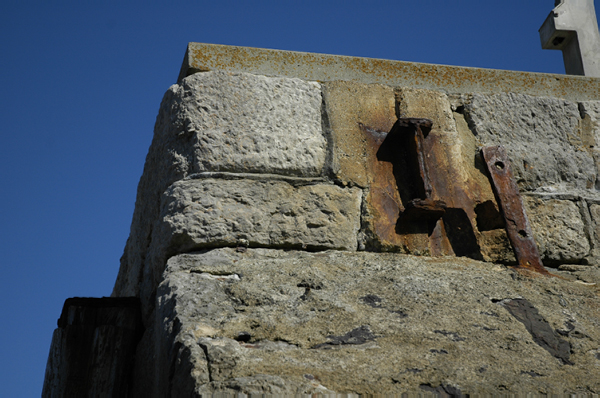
297 167
267 203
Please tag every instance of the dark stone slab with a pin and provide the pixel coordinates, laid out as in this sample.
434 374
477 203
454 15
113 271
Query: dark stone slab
359 335
93 348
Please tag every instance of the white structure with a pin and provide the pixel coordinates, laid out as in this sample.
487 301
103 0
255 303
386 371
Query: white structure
572 28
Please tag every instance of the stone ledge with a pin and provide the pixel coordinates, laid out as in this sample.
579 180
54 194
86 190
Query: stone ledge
367 323
201 57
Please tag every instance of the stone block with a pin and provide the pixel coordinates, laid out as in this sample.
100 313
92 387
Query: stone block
200 213
285 322
595 218
559 230
239 122
543 138
359 116
219 121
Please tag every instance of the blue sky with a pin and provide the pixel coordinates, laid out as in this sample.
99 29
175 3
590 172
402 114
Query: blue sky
81 86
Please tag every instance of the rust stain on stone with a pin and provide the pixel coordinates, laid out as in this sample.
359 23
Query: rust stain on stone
420 205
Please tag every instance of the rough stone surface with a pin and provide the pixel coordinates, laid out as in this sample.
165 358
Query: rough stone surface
590 112
204 213
590 126
595 218
543 138
268 321
211 212
558 229
456 176
242 122
323 68
219 121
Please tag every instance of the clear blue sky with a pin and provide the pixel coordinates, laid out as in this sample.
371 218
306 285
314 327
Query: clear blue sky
81 86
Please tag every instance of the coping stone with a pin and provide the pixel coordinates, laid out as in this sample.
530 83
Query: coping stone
202 57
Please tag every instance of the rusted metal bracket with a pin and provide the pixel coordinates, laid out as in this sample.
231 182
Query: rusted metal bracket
511 205
422 207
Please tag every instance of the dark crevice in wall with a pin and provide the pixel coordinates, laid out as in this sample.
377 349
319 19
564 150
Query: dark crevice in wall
328 169
460 234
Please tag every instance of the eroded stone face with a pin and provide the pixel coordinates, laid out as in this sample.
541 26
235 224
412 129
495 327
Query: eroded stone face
219 121
590 111
359 116
240 122
558 229
200 213
271 321
542 136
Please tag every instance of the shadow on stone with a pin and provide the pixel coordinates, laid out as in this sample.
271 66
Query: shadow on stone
539 329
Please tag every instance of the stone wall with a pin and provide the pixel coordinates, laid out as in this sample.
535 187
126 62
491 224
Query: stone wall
270 254
275 162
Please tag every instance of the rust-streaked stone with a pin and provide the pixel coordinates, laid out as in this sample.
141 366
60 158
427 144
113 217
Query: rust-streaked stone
359 116
455 177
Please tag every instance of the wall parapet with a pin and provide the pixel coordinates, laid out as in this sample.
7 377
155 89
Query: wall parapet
201 57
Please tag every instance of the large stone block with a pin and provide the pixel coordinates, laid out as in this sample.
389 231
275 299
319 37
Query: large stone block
240 122
286 322
219 121
558 229
543 137
199 213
